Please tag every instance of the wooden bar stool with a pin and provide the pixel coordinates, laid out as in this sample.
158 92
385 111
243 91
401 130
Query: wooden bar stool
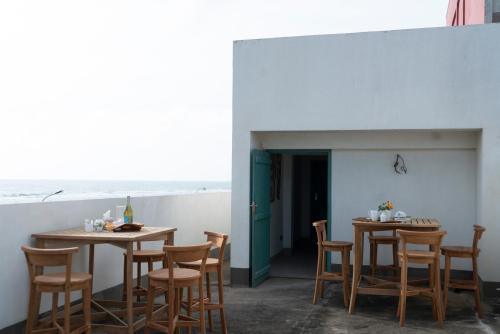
344 247
431 258
141 256
173 279
213 265
375 241
463 252
55 283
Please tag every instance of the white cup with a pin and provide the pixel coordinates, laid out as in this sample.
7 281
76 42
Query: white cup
89 225
373 215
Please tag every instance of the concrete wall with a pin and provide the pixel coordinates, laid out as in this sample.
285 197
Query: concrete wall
398 80
191 214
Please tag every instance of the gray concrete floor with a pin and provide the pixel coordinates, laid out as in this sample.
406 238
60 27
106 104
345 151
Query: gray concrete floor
282 305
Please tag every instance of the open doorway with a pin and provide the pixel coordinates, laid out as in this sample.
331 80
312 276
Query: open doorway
304 198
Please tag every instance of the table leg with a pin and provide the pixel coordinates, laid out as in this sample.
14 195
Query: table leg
130 296
91 266
358 261
170 238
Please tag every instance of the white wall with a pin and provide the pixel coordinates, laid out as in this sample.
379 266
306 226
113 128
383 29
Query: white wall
191 214
422 79
439 184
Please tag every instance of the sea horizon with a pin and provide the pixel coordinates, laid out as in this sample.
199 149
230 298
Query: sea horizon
33 190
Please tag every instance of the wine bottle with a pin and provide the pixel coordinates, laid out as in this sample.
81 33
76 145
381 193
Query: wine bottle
128 214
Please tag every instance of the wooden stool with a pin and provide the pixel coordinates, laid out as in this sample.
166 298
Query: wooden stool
463 252
213 265
64 282
431 258
376 240
344 247
173 279
140 256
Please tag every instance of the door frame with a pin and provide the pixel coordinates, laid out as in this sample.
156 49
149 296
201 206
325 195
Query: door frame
323 152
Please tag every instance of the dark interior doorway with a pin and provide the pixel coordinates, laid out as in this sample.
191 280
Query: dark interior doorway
309 204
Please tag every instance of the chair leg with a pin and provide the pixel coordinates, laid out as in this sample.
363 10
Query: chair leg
177 308
190 305
375 258
437 292
87 295
67 315
477 292
171 312
139 265
149 307
209 296
345 277
53 314
202 306
403 293
395 258
31 310
323 270
220 283
318 273
447 268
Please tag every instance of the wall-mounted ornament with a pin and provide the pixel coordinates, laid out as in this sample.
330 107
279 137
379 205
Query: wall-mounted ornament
399 165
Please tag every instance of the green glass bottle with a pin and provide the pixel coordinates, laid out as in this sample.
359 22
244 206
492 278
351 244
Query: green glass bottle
128 214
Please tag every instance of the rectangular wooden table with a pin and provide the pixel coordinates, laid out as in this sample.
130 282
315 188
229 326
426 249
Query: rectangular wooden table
78 237
380 286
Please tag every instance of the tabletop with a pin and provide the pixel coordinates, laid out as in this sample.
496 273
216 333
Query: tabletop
79 233
413 222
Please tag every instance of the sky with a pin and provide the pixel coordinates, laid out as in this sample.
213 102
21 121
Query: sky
141 90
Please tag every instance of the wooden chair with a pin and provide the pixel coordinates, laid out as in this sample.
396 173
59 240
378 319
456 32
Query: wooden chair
55 283
431 258
213 265
463 252
141 256
173 279
344 247
375 241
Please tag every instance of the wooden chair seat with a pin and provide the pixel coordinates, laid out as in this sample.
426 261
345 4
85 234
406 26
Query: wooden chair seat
336 245
59 279
457 251
182 276
211 265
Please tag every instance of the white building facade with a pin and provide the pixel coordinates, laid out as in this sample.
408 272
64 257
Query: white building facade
430 95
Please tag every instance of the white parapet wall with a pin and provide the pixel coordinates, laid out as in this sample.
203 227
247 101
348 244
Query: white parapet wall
191 214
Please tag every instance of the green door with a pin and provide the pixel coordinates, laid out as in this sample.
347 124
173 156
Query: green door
260 215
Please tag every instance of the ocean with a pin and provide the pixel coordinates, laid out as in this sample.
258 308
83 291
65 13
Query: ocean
17 191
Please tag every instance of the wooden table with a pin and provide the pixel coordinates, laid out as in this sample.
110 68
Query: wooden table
377 286
78 237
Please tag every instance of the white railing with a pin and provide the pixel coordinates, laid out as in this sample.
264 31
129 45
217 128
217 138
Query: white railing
190 213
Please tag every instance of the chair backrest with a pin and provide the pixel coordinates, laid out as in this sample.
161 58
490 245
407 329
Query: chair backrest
320 227
433 238
478 233
219 241
38 258
185 254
